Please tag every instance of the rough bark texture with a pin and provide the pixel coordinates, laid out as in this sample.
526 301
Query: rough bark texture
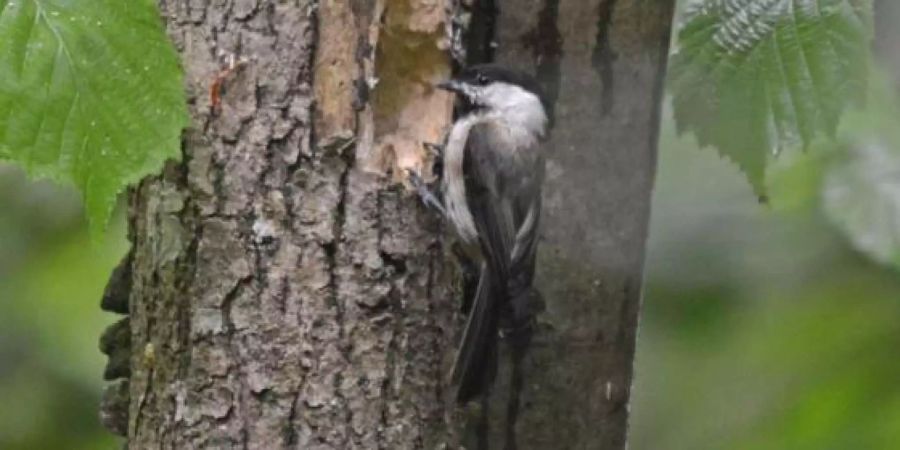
603 63
283 296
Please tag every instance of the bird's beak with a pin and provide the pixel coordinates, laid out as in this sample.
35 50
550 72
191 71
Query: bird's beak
450 85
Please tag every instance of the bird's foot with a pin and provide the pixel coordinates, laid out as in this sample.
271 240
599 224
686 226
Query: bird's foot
435 149
428 197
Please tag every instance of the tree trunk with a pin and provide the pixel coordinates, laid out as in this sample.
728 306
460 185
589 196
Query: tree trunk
285 295
603 64
285 291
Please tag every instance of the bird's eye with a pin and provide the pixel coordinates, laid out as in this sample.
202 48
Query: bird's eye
482 79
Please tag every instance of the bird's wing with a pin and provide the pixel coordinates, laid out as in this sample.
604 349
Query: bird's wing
503 194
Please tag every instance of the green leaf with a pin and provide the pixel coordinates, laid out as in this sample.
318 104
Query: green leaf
862 196
752 77
90 94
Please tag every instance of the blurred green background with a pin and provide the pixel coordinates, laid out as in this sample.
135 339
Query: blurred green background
763 326
777 326
51 281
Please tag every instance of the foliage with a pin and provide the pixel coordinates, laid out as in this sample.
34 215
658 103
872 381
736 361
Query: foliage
862 196
761 328
855 178
753 77
90 93
861 192
51 280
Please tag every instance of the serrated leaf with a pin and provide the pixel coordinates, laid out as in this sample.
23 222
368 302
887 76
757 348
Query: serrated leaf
751 77
862 196
90 93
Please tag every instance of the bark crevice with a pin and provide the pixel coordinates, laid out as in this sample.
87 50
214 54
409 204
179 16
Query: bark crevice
604 55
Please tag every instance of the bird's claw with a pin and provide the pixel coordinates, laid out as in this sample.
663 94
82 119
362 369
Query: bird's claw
435 149
414 178
428 198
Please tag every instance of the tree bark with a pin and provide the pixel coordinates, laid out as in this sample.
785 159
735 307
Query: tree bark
285 294
602 62
285 291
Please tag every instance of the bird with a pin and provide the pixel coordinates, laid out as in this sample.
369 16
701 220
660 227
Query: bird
493 171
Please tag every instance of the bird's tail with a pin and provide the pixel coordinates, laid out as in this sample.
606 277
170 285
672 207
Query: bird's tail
476 361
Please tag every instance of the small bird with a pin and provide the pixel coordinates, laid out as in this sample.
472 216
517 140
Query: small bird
493 169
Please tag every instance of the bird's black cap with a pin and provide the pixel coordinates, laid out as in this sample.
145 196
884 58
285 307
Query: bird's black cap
484 74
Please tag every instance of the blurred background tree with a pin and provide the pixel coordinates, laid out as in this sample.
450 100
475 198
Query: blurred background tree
765 326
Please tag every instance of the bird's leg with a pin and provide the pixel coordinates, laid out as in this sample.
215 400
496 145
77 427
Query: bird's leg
428 197
436 149
425 193
437 152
